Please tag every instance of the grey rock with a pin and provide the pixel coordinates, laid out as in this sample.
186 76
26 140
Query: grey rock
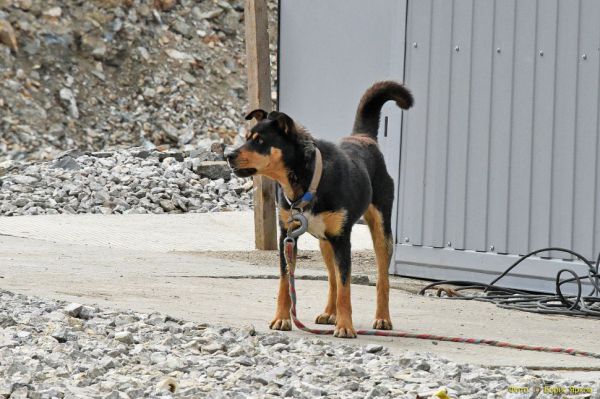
102 154
21 202
201 153
143 154
352 386
274 339
25 180
423 365
68 101
236 351
218 149
167 205
177 155
60 334
377 392
66 163
101 196
373 348
210 14
231 22
87 312
20 393
245 361
182 28
213 347
73 309
214 170
124 336
7 321
179 55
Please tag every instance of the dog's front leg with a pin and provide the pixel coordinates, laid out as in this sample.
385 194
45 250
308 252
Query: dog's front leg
328 315
282 320
343 322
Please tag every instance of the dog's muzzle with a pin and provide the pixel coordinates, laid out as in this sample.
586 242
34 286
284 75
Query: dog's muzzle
231 158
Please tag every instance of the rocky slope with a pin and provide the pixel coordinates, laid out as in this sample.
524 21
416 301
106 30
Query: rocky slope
88 75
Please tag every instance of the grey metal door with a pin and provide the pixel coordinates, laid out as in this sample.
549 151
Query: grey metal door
333 50
500 153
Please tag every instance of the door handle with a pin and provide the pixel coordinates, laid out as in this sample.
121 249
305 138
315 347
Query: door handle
385 125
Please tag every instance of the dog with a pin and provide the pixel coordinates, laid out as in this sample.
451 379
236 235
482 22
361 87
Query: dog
354 183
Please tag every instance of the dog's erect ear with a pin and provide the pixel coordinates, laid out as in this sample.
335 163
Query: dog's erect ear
305 144
258 114
285 122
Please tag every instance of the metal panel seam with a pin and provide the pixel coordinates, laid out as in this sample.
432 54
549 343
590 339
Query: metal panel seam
531 150
553 120
487 195
426 133
465 212
443 227
576 127
511 123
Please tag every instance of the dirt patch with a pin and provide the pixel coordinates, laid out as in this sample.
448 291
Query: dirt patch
363 262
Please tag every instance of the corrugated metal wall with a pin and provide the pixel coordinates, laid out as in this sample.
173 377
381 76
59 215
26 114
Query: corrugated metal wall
501 148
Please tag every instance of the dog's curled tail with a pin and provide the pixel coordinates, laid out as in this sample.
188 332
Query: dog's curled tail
369 108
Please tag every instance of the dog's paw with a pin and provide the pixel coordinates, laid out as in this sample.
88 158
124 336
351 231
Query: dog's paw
325 318
344 330
382 324
281 324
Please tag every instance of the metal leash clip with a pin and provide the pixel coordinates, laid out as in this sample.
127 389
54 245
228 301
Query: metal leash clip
298 217
289 242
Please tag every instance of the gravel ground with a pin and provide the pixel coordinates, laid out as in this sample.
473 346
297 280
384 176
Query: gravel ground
125 181
54 349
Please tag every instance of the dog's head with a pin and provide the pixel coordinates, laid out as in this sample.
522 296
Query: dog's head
274 147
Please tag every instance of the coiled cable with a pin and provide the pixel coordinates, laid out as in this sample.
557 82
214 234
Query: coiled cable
558 303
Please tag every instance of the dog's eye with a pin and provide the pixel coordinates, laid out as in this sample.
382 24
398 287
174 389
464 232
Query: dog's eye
260 141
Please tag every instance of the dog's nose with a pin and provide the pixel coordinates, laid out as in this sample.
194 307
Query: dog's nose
230 154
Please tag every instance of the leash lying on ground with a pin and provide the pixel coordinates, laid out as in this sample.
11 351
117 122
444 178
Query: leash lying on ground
290 256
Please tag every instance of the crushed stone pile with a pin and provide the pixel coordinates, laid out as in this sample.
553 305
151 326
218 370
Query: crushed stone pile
91 75
67 350
135 180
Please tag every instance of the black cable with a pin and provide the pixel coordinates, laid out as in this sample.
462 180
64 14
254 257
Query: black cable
508 298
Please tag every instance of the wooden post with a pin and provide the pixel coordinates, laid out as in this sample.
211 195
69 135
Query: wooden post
259 96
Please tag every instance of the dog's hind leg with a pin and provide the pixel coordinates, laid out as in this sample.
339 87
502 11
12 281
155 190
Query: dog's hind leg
382 243
379 220
282 320
328 315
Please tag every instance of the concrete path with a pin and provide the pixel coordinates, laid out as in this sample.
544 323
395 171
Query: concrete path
224 231
157 263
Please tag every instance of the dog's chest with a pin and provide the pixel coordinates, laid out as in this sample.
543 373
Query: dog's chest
326 224
320 225
316 225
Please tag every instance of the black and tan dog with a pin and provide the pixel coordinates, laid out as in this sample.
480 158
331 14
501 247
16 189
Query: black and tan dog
354 183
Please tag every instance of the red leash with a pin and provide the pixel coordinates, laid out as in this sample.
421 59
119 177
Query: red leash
291 262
